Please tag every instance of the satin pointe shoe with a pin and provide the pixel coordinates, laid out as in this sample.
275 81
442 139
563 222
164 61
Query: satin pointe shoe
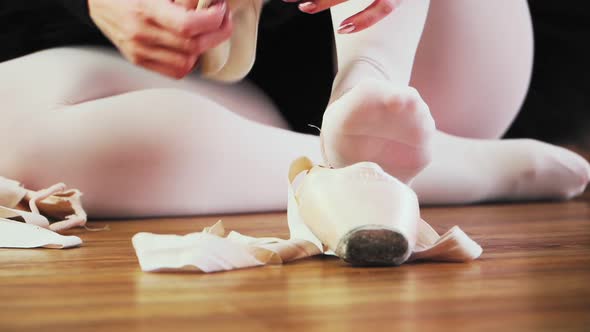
359 212
365 216
232 60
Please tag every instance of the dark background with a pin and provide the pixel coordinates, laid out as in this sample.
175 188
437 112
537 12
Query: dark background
557 107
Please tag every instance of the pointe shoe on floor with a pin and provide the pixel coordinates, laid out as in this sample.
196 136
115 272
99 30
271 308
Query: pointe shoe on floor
36 231
62 206
232 60
367 217
359 212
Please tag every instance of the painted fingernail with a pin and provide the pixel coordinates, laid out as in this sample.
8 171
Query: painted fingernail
346 28
307 6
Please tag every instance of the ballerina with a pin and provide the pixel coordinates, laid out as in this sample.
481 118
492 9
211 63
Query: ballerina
426 93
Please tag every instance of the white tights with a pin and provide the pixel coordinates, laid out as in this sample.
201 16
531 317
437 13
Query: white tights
138 144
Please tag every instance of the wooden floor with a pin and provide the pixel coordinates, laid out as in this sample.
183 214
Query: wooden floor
534 275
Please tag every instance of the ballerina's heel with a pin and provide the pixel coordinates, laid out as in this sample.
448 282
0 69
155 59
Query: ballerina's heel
359 212
233 59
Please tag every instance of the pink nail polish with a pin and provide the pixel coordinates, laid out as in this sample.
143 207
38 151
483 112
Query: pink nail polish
346 28
307 6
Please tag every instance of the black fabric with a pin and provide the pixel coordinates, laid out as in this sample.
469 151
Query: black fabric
78 8
294 64
30 26
557 107
33 25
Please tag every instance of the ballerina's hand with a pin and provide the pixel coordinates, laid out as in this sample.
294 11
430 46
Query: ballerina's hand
374 13
159 35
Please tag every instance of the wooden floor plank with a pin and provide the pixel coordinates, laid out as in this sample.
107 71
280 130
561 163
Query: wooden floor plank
534 275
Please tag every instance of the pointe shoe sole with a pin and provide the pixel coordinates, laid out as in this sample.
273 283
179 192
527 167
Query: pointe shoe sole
373 245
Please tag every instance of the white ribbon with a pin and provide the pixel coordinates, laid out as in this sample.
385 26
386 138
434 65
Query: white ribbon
15 234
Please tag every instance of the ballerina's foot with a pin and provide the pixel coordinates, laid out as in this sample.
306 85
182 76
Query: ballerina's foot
549 171
379 122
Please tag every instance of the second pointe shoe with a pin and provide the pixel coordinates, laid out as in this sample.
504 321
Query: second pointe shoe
63 207
367 217
232 60
362 214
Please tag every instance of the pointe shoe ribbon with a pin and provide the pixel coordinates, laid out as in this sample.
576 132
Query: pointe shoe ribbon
62 206
453 246
15 234
367 217
232 60
214 249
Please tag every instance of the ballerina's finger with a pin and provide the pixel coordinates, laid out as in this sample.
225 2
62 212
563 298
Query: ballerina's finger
186 23
374 13
316 6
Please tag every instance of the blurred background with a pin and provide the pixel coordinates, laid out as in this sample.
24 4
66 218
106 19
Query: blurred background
557 107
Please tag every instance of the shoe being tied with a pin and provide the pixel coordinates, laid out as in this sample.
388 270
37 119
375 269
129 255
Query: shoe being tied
232 60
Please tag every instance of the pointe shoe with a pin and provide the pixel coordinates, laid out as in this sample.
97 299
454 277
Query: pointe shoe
367 217
62 206
11 192
232 60
362 214
34 232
